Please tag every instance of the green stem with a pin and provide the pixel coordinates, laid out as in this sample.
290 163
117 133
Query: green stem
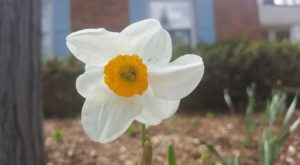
146 145
143 134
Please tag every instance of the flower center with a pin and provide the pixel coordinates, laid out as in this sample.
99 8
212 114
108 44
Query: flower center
126 75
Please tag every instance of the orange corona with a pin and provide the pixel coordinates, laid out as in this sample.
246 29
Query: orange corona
126 75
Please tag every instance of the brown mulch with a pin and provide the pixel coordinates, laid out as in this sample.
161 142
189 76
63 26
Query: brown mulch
224 132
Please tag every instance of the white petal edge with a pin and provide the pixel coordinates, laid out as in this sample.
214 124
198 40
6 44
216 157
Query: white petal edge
177 79
155 109
140 33
106 117
95 46
158 50
90 82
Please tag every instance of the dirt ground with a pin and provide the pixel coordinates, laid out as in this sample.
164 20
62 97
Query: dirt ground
224 132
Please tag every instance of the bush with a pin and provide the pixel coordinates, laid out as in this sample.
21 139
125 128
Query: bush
60 96
236 64
233 65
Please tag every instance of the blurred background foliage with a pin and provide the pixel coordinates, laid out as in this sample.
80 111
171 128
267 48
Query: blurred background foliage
237 64
60 96
233 65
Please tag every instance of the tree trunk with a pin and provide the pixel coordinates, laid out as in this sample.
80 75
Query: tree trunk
21 140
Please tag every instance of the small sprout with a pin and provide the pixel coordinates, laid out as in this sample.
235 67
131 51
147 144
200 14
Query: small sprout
204 153
212 150
217 163
57 135
202 161
228 101
132 131
174 119
237 159
194 123
171 155
210 114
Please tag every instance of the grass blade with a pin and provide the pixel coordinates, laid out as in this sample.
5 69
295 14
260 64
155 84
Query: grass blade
212 150
290 111
237 159
228 101
171 155
230 160
294 125
251 99
266 152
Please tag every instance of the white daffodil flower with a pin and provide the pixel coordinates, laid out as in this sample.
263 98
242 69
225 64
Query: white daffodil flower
129 76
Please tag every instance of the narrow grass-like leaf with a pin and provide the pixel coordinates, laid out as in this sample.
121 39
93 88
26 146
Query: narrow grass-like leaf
282 138
228 101
212 150
230 160
202 161
266 152
217 163
251 99
237 159
294 125
171 155
290 111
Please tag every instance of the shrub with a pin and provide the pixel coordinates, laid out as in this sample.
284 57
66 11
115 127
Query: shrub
60 96
232 64
237 64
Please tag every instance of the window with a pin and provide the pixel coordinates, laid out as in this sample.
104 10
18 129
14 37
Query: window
177 17
283 2
282 34
279 34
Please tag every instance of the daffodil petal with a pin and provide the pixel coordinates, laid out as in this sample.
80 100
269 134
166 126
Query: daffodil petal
90 82
95 46
158 50
106 117
177 79
140 33
156 109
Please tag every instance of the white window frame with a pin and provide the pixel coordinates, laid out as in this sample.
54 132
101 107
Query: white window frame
193 18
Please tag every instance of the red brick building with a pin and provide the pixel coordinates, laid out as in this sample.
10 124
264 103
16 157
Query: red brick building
232 18
188 21
110 14
237 19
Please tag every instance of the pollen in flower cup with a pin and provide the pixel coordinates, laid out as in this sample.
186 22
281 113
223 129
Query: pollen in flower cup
128 76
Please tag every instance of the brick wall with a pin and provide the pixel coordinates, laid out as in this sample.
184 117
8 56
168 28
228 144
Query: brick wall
110 14
237 19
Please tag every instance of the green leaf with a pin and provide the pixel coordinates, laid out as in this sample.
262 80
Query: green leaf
171 155
290 111
237 159
57 135
131 130
228 101
267 154
212 150
230 160
282 138
251 99
294 125
202 161
217 163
